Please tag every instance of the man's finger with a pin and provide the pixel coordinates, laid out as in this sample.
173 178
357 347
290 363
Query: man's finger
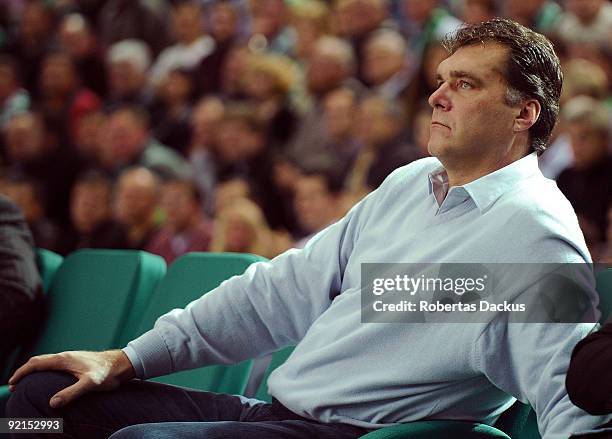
36 364
71 393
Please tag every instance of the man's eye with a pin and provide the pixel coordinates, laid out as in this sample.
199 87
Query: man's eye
465 85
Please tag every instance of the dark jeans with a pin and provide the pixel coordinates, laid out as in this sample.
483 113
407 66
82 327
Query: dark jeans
142 409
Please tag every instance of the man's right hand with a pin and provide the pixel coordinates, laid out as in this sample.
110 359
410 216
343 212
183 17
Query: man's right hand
95 371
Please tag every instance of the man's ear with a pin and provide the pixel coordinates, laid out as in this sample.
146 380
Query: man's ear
528 115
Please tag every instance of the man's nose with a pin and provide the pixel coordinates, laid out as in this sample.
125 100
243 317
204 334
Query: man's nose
440 98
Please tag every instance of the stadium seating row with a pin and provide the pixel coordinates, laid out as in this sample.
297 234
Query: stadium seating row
101 299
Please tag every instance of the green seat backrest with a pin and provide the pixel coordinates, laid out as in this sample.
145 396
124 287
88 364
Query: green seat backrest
91 296
187 279
48 263
604 288
278 358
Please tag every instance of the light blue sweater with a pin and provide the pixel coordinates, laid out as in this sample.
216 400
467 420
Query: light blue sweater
379 374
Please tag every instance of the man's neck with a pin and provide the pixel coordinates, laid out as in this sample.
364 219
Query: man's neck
462 173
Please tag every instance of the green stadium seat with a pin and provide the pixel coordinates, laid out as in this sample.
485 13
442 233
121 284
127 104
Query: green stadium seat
48 263
90 298
92 295
187 279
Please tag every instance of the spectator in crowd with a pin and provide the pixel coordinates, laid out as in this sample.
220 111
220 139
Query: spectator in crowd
128 62
241 227
586 22
90 212
62 99
539 15
380 129
206 115
311 19
243 151
331 65
135 19
13 98
191 43
580 78
588 183
224 29
339 111
21 296
269 27
477 11
232 73
172 109
426 21
78 39
228 191
268 81
316 200
32 40
386 69
356 21
87 140
135 205
583 78
30 151
29 196
186 229
389 69
127 142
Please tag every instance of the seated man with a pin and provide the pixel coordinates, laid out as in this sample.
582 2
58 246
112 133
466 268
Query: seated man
481 198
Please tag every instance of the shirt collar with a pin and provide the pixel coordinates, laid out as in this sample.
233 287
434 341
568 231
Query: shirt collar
487 189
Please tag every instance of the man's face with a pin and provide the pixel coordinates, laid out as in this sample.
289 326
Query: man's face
314 204
588 144
585 10
381 62
135 201
126 137
470 118
178 204
324 72
89 205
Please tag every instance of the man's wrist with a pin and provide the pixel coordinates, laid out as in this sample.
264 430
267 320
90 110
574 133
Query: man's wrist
123 366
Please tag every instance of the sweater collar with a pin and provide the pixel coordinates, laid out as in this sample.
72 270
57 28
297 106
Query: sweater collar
485 190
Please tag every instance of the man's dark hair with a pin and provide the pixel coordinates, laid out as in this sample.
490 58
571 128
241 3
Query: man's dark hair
190 185
533 70
327 169
94 177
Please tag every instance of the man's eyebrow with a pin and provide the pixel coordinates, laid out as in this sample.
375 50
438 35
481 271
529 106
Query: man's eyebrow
461 74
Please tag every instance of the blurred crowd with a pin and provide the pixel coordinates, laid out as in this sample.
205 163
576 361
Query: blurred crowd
248 126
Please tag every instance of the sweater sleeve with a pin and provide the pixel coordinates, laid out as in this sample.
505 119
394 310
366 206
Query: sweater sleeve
271 305
589 378
530 360
537 355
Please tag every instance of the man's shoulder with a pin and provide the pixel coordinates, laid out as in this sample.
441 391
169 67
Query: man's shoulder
541 211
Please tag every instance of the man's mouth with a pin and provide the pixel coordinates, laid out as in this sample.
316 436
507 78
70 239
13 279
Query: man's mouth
439 124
